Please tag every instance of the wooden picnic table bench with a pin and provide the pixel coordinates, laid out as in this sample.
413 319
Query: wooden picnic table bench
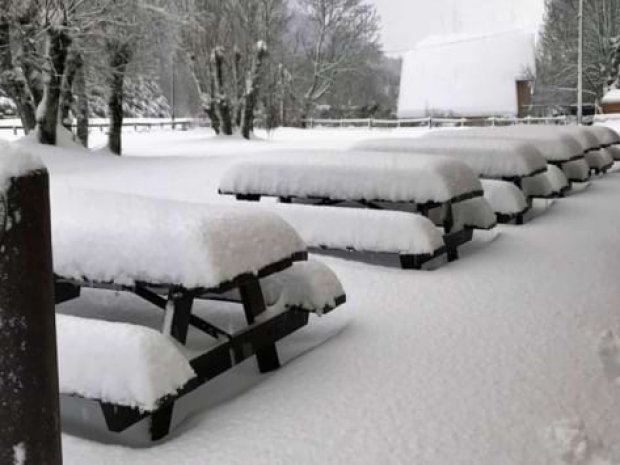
171 254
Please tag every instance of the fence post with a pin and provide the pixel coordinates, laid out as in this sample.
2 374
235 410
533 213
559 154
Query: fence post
29 403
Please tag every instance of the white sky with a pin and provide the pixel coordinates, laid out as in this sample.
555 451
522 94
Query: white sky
405 22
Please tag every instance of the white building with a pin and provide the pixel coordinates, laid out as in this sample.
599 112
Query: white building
465 75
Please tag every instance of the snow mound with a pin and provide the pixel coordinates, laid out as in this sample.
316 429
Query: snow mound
119 363
570 442
123 238
353 176
364 230
16 161
486 157
310 285
553 145
504 197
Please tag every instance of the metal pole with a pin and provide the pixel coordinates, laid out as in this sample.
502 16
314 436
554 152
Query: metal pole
580 68
173 90
29 403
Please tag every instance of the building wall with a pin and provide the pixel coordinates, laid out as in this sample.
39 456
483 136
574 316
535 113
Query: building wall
466 75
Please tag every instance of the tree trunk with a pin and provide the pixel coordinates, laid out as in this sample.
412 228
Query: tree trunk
119 59
73 63
238 88
221 99
81 103
47 113
12 79
251 91
29 30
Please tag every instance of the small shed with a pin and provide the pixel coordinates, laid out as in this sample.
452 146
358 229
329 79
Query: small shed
610 102
468 76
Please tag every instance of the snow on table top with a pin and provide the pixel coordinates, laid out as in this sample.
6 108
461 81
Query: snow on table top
310 285
605 134
16 161
487 158
353 175
123 238
119 363
360 229
504 197
554 146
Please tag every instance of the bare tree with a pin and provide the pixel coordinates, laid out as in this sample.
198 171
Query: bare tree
336 37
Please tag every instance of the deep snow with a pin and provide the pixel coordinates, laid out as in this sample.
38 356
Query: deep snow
490 360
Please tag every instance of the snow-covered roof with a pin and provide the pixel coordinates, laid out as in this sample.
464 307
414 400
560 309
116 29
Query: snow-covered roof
466 75
613 96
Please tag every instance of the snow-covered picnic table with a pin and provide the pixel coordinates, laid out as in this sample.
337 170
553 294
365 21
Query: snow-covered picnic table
557 147
490 159
430 185
170 254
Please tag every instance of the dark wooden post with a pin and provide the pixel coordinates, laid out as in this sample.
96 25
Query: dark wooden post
29 404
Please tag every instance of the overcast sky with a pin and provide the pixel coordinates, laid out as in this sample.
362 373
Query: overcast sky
405 22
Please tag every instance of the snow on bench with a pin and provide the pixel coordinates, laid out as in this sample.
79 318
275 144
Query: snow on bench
118 363
139 371
488 158
124 239
475 214
363 230
550 184
309 286
507 200
600 160
577 170
360 229
353 176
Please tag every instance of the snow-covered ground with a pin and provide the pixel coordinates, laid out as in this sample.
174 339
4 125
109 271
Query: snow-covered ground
509 356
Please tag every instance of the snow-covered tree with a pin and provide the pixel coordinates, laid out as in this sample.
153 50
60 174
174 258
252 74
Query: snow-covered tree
558 49
334 37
